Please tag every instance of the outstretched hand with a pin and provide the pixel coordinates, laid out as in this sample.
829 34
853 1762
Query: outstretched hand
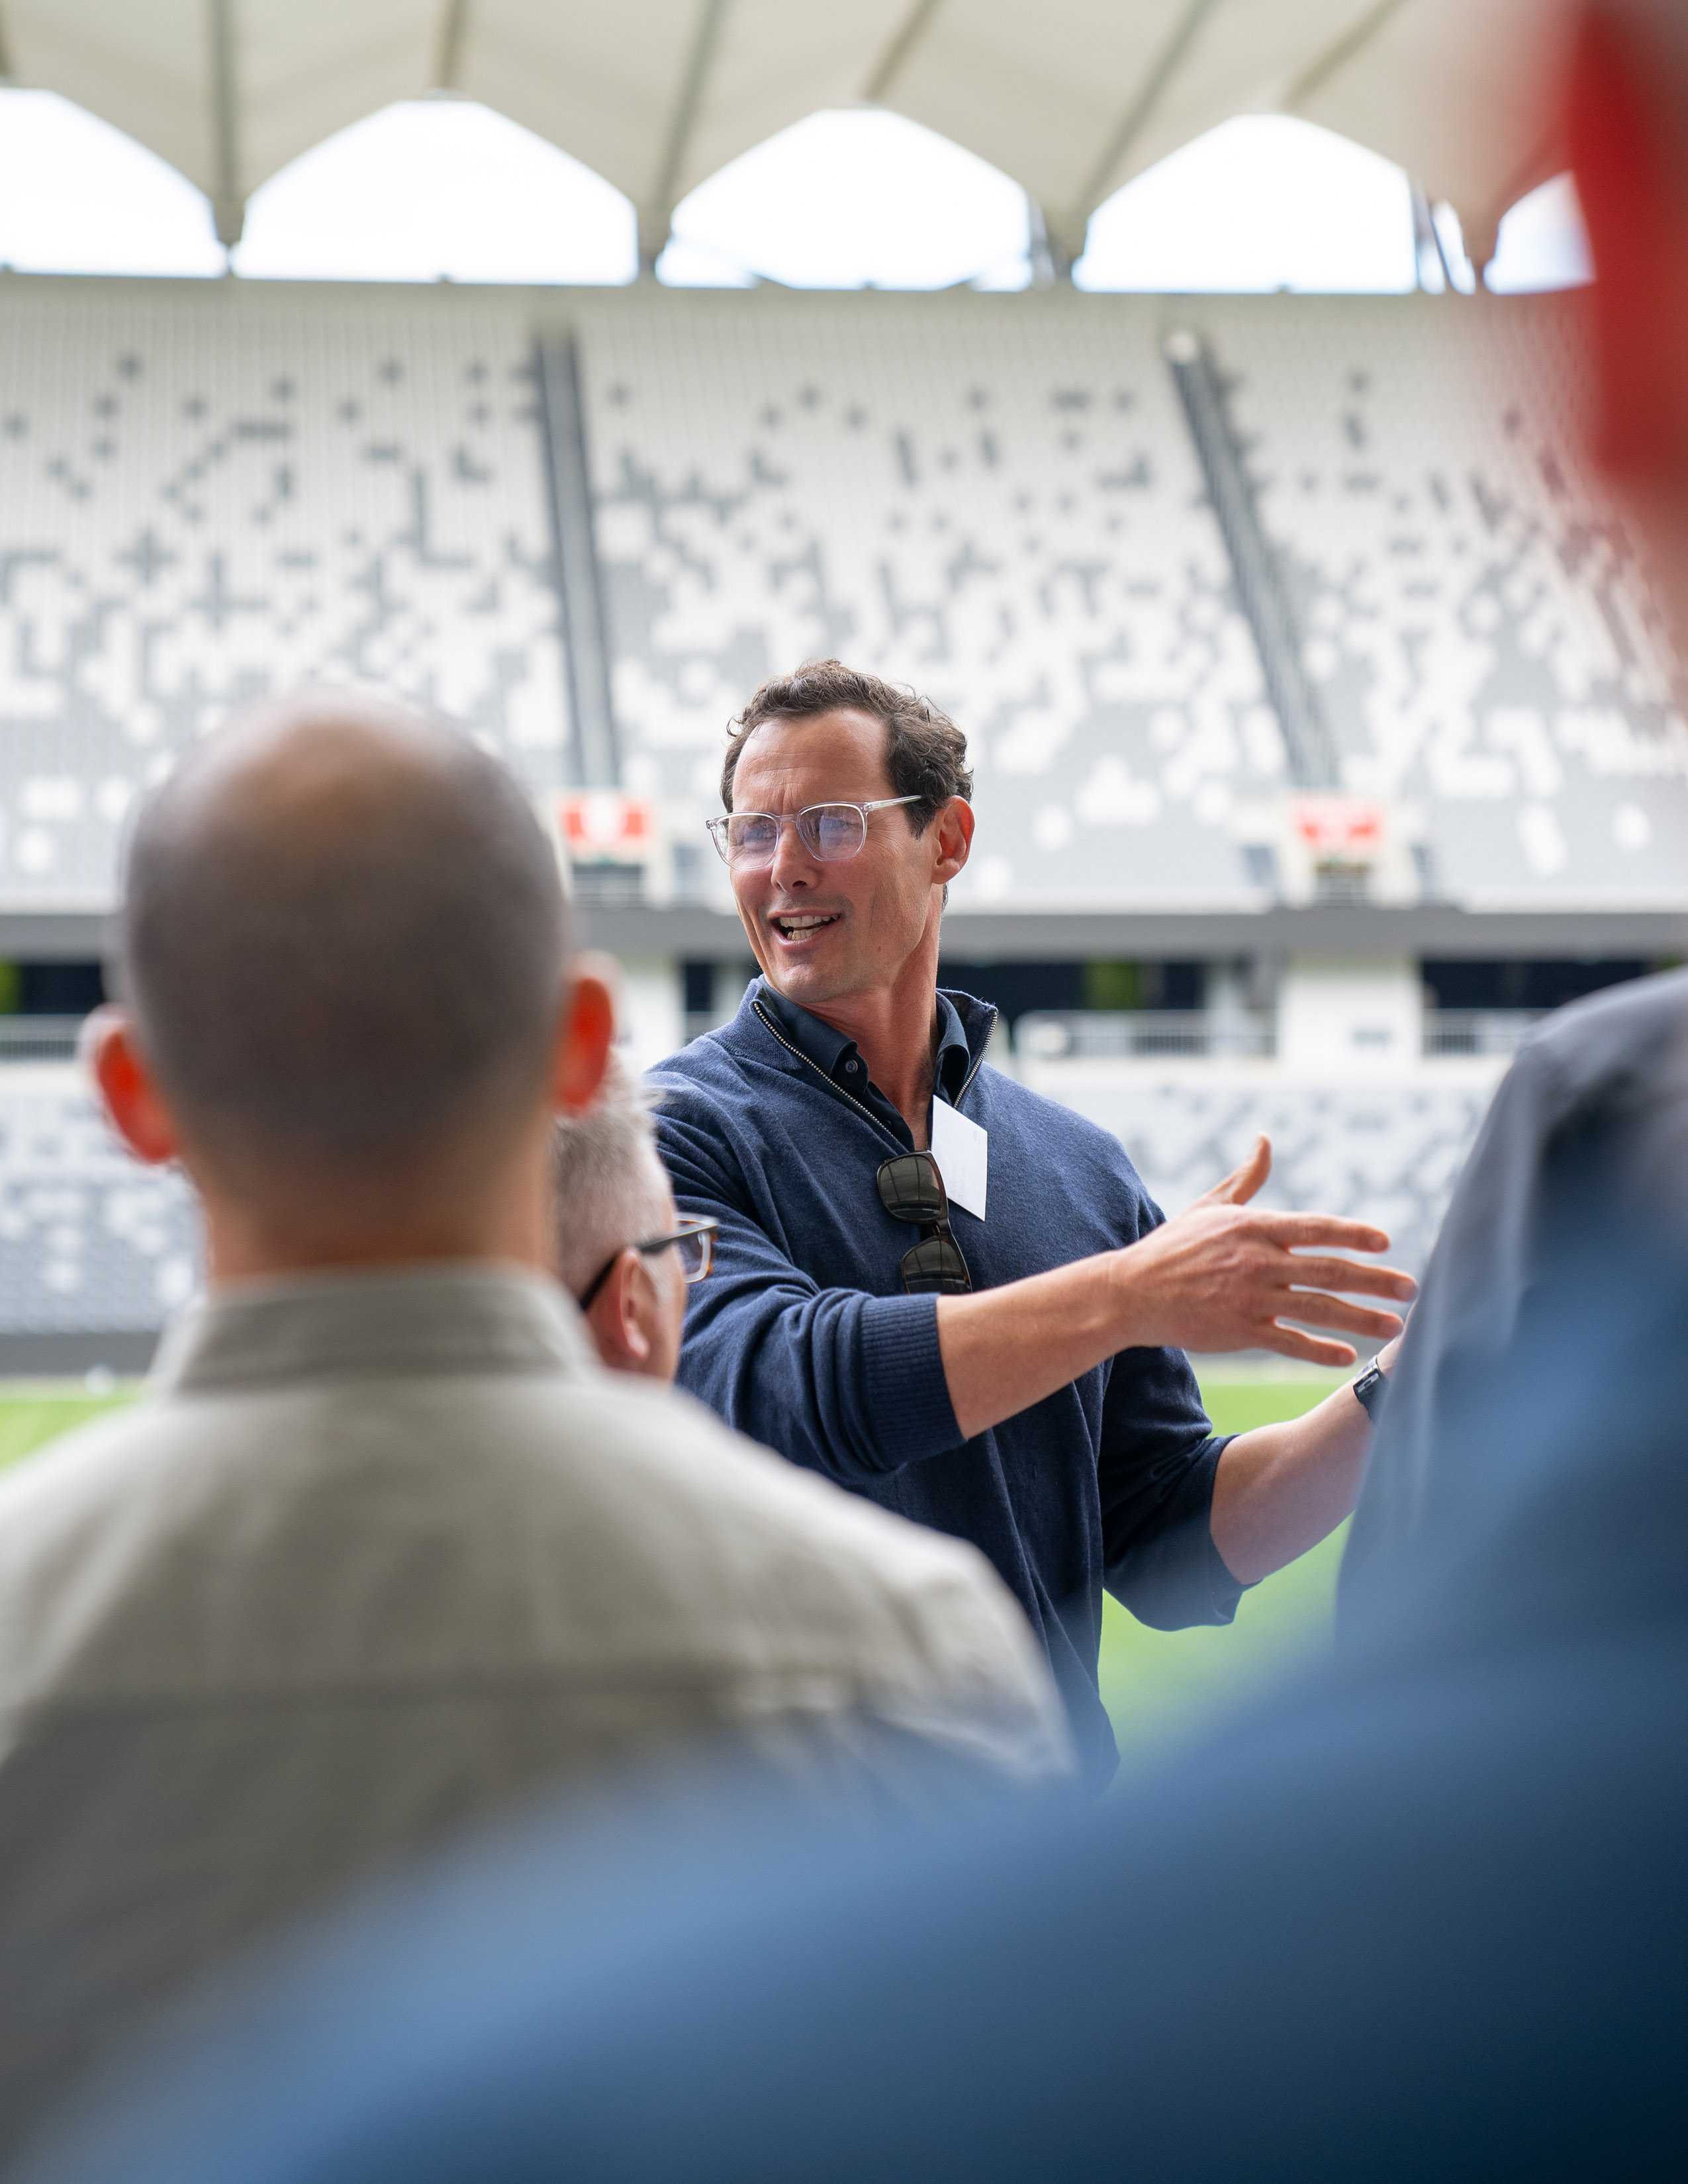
1242 1182
1226 1275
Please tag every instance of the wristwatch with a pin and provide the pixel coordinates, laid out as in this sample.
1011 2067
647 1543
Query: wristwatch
1370 1390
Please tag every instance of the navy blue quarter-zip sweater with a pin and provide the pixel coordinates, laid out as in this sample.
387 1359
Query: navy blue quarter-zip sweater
803 1339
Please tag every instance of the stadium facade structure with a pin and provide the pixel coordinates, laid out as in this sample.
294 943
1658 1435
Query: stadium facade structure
1294 650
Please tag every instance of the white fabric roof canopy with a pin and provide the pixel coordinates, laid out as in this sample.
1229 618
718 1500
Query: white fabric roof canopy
1070 97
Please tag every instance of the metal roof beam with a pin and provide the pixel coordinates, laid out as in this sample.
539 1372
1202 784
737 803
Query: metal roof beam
656 217
448 53
907 36
228 200
1138 116
1337 55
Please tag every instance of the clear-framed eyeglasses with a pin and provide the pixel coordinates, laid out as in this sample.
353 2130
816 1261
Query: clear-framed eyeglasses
830 832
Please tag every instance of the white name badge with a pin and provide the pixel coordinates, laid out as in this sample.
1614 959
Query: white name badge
961 1150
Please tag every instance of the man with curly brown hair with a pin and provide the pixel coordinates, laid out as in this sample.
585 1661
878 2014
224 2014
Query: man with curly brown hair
941 1291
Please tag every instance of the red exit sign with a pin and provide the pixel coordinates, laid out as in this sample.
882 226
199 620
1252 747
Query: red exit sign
1349 828
602 822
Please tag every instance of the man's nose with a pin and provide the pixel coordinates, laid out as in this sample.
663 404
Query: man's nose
793 864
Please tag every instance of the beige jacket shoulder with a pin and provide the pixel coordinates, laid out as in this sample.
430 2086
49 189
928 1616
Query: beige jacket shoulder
376 1557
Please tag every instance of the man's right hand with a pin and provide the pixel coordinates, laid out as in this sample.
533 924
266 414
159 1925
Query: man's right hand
1224 1275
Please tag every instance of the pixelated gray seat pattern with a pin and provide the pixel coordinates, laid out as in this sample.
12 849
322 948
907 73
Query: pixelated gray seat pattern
997 499
210 489
1388 1153
999 505
205 495
1476 622
88 1238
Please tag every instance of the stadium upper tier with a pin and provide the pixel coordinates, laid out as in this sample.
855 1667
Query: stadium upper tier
1473 620
208 491
204 496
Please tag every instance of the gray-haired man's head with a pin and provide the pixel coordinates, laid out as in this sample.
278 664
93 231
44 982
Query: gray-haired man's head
609 1191
343 939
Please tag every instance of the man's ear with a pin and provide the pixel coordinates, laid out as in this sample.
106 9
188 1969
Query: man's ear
1632 179
953 830
619 1314
131 1100
586 1034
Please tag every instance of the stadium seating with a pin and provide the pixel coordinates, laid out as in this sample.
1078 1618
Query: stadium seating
1474 620
89 1242
208 494
999 504
212 489
1388 1152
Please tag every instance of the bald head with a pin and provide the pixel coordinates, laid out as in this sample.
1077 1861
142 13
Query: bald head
343 940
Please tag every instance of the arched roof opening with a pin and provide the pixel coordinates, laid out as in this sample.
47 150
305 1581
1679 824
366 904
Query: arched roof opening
1262 202
1543 243
855 199
438 189
78 195
657 96
446 188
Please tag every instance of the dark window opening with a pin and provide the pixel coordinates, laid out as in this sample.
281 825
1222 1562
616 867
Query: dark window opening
50 989
1547 983
699 980
1025 989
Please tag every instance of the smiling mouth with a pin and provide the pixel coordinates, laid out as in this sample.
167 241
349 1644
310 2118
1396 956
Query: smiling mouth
800 925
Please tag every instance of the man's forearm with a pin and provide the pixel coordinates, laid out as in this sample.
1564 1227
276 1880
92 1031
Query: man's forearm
1006 1349
1220 1277
1281 1489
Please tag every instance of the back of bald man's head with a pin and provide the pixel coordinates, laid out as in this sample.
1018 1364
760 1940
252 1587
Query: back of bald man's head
343 939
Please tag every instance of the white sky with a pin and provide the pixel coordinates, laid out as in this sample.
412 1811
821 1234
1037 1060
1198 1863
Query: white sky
1261 202
844 200
444 187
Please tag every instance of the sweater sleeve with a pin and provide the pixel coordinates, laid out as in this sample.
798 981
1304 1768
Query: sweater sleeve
1154 1469
848 1384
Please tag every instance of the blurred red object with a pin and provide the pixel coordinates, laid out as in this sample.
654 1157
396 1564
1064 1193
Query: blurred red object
1349 828
599 821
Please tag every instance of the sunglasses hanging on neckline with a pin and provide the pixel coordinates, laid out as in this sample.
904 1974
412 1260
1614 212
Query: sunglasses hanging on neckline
911 1190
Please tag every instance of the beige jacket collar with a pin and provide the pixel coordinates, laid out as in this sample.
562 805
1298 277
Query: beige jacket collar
459 1317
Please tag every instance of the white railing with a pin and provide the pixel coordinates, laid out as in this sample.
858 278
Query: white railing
1478 1031
1099 1035
39 1038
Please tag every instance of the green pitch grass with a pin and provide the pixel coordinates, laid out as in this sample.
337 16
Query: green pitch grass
1160 1687
31 1416
1164 1686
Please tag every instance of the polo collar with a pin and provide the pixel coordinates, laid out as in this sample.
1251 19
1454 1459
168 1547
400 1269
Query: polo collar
836 1056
